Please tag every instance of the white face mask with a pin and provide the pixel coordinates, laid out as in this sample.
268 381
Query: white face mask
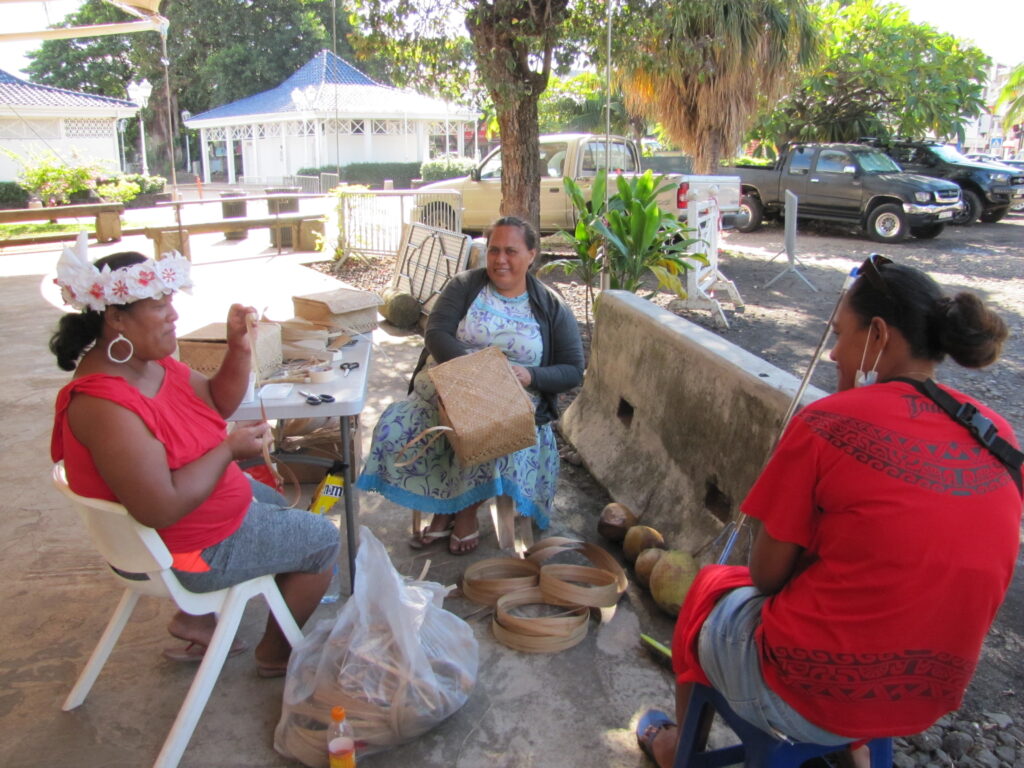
866 378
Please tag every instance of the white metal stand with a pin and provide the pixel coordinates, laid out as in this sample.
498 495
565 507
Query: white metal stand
790 245
704 279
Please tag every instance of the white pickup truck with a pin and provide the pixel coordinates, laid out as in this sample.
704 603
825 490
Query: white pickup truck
579 156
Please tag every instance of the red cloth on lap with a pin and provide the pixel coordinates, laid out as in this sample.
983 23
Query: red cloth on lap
711 583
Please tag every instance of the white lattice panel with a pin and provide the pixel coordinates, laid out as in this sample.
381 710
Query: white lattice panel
88 128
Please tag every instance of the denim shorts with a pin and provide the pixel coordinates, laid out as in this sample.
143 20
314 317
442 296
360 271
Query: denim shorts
730 657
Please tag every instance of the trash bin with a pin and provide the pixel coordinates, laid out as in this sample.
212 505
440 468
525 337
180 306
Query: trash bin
281 237
233 210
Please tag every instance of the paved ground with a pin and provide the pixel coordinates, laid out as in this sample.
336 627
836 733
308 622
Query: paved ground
570 709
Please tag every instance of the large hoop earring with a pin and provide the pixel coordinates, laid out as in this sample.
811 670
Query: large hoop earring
110 347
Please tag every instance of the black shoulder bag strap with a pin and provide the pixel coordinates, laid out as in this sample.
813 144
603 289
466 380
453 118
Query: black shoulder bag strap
980 427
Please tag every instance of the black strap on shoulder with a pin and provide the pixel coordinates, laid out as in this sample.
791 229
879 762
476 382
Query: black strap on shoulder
979 425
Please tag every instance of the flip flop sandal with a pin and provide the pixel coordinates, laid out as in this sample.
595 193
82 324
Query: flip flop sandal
194 652
428 537
652 722
458 540
270 672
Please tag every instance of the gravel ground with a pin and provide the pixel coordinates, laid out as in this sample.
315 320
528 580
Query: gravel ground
783 323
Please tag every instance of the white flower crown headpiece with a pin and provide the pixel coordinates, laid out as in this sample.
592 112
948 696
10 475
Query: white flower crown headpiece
83 286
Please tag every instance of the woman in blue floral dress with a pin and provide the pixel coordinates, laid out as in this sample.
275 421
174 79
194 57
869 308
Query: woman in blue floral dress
504 306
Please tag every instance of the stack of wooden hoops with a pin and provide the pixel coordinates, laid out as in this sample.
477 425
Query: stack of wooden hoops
508 584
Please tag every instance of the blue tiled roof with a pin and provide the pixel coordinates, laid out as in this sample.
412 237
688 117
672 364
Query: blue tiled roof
324 68
21 93
354 92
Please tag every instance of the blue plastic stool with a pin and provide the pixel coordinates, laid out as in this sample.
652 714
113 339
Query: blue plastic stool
756 749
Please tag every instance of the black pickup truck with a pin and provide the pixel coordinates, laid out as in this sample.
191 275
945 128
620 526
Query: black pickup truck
847 183
988 189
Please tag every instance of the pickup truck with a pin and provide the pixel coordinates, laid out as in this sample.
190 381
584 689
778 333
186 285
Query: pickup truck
848 183
988 189
579 156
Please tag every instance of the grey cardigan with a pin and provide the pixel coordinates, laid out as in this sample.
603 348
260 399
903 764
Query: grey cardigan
561 366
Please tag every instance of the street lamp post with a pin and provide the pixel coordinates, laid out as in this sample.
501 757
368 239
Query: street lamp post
122 124
139 93
185 115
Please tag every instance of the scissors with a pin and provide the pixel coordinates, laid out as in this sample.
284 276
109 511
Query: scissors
347 367
312 399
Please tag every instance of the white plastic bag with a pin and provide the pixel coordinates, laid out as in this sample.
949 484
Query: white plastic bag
394 658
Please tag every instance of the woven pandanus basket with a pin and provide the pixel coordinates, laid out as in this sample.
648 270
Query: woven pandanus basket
486 407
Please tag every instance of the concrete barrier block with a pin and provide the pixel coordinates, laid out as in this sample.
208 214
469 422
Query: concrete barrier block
673 420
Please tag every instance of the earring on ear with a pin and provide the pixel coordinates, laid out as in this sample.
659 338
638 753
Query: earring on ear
110 348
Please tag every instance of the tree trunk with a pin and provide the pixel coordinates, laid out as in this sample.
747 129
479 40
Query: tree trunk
502 54
520 159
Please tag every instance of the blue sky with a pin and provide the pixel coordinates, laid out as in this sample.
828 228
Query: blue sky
993 25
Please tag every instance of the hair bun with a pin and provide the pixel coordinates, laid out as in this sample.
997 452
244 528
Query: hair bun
971 333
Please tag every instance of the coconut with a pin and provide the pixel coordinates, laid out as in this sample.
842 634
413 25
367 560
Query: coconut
400 309
615 520
645 563
638 538
671 578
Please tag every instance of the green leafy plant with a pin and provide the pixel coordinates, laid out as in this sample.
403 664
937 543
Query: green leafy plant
446 167
55 182
641 238
13 195
118 190
586 240
148 185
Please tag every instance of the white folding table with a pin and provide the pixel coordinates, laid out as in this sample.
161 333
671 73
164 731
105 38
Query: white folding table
349 393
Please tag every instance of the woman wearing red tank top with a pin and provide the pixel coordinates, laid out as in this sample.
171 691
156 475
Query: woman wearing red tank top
136 426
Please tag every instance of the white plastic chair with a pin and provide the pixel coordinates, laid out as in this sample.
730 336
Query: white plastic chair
132 547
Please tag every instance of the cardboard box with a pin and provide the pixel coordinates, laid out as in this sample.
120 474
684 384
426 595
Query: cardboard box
343 309
204 349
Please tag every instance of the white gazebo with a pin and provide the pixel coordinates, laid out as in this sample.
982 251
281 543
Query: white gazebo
78 128
327 113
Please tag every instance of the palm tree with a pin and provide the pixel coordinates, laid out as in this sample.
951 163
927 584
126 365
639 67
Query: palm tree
1012 96
705 67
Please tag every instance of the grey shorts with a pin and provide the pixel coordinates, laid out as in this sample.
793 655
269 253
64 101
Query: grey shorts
271 539
731 660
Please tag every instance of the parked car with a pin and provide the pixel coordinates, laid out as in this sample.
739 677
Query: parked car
1017 204
988 189
847 183
579 156
981 157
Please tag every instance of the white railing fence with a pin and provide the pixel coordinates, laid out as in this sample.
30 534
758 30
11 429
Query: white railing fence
704 221
369 223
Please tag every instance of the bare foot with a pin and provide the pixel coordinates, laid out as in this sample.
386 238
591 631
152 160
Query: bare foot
440 528
465 533
193 629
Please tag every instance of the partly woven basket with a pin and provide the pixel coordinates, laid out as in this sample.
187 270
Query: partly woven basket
487 408
204 350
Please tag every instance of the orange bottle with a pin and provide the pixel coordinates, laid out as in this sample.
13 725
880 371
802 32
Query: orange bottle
341 745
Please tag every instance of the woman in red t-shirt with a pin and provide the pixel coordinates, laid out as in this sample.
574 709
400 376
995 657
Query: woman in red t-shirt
137 427
888 539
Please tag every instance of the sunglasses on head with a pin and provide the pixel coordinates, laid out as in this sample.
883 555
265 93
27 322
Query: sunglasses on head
871 269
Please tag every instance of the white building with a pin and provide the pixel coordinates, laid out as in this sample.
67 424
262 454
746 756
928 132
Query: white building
985 133
327 113
79 128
